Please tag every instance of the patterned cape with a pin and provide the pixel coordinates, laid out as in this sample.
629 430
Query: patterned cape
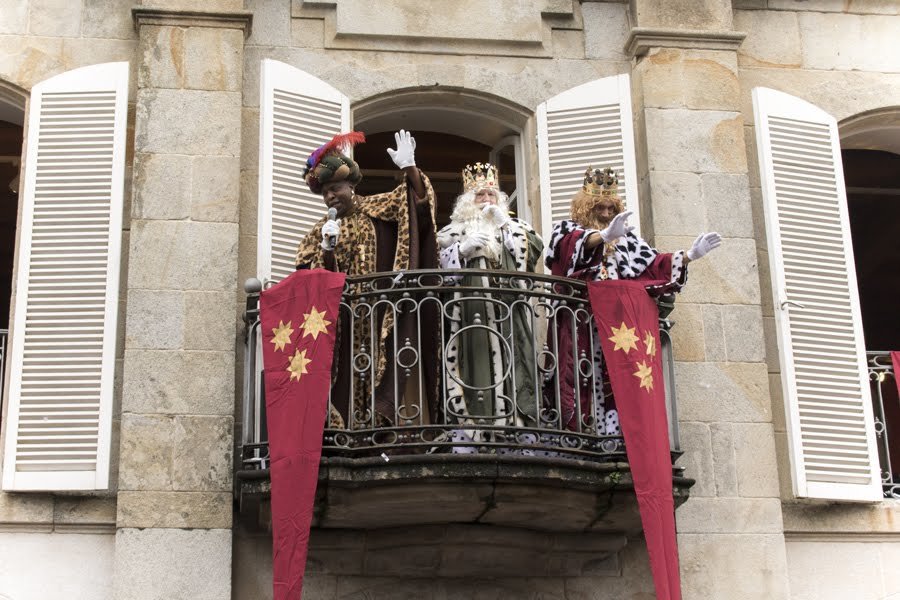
387 232
479 358
628 257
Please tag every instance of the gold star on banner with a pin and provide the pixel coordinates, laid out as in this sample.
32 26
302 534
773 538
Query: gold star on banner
645 374
624 338
650 342
315 323
282 335
298 365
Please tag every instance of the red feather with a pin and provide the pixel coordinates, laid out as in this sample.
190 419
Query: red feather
341 142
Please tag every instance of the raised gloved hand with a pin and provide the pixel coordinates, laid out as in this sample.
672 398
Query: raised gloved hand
473 243
405 154
704 244
331 232
495 215
618 227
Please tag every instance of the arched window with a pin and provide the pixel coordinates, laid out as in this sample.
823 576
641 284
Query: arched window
12 121
870 149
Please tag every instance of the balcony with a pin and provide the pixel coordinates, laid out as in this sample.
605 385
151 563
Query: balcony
428 465
887 420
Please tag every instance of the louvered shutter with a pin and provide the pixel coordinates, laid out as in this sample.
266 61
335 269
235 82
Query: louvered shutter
823 364
67 290
298 113
589 125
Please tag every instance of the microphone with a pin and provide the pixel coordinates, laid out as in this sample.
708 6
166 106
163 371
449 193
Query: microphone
332 239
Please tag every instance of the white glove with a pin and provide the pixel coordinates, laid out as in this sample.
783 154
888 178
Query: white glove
495 215
618 227
405 154
331 229
473 243
704 244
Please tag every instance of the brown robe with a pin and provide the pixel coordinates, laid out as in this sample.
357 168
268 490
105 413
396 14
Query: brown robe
388 232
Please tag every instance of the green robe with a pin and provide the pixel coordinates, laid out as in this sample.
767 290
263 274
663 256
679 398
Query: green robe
490 347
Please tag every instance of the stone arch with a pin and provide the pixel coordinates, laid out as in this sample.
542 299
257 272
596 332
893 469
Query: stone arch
446 108
877 129
13 100
482 117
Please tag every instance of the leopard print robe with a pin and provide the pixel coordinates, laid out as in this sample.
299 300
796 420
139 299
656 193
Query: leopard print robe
363 248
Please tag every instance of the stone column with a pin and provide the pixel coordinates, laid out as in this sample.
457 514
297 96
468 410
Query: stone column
174 513
693 168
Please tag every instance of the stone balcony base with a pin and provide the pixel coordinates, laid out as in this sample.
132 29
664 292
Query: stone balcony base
552 495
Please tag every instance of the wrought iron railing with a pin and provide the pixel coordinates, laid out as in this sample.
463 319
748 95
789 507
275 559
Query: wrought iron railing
384 400
887 420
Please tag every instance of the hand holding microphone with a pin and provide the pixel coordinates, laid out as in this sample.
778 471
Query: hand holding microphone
331 230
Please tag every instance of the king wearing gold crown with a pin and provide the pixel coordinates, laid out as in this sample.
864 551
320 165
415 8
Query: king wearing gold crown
482 235
598 243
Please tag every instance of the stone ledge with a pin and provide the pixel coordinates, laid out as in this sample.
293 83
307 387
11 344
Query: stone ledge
242 20
551 495
642 39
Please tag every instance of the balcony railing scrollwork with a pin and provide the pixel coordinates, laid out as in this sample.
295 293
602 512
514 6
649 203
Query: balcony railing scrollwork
887 419
384 402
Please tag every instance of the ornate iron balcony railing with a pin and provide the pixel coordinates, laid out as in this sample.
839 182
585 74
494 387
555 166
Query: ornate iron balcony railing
434 310
887 420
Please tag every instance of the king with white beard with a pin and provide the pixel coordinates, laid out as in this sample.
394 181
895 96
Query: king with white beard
482 389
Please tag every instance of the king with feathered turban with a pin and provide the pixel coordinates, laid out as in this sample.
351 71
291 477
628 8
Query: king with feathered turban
388 232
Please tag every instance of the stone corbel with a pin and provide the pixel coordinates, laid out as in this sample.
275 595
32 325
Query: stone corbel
642 39
238 19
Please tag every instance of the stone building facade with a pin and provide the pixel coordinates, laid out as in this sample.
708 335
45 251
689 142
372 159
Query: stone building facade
188 90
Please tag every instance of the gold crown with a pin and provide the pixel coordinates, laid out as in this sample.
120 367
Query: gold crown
480 175
599 182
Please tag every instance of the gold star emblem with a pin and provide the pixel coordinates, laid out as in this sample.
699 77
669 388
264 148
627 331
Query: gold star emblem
650 342
645 374
298 365
282 335
624 338
315 323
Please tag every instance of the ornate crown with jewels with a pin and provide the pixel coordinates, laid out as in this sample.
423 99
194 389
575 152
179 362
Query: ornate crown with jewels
601 182
480 175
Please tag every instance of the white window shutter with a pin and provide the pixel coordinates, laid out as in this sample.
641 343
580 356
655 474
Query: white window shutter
67 290
589 125
831 434
298 113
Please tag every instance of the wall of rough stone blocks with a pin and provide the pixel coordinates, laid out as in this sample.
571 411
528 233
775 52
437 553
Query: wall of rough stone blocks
838 56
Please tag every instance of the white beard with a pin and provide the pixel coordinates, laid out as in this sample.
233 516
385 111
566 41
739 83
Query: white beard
470 217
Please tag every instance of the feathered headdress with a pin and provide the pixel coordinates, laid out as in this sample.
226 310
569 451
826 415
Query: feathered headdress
331 163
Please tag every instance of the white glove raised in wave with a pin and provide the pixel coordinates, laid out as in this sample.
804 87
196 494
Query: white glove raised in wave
405 154
704 244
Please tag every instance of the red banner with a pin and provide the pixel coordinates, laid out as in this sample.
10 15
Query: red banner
628 322
298 320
